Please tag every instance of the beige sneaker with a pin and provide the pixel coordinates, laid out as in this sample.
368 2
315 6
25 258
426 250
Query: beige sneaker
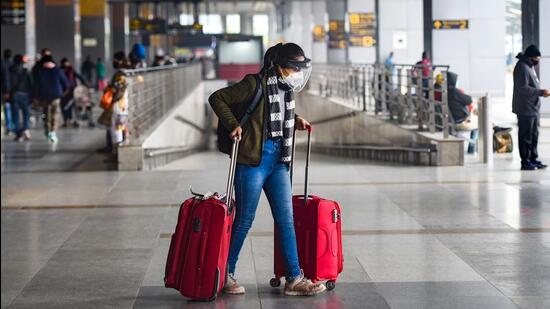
302 286
232 286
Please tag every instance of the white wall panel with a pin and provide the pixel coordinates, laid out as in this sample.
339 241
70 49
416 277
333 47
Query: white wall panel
477 53
402 16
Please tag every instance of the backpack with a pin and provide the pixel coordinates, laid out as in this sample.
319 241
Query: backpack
224 142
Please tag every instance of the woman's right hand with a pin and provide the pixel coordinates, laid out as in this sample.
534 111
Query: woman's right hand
237 133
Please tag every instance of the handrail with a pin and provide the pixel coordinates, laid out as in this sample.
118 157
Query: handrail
154 92
399 92
158 68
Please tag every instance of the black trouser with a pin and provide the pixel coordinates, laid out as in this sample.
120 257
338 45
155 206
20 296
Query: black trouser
67 106
528 136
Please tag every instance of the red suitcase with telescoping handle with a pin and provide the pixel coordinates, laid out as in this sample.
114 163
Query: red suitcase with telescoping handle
199 248
318 226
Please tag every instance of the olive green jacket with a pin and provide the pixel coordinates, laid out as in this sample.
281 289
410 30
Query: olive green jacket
230 104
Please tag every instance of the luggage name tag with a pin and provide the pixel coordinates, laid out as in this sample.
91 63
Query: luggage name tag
204 196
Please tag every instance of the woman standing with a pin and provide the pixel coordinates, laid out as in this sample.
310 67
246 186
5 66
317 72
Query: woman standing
265 152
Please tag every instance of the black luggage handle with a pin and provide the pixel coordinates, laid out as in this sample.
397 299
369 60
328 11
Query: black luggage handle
308 155
231 176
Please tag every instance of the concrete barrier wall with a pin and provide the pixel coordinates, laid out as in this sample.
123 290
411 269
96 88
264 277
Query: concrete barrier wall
185 129
184 126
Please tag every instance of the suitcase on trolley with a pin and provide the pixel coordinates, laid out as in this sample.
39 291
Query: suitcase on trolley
199 248
318 226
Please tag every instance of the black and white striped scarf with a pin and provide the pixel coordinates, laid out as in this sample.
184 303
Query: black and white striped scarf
277 126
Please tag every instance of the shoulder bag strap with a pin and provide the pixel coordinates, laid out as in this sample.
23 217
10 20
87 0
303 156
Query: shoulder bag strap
255 100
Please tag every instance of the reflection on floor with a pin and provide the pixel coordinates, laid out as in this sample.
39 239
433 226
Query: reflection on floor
414 237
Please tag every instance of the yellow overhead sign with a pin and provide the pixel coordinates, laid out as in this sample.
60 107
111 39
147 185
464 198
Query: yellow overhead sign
92 8
362 29
460 24
319 33
336 34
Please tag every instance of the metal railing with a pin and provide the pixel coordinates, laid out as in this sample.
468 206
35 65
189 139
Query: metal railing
153 92
407 93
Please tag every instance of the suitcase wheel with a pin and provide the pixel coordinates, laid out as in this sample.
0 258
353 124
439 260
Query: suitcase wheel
274 282
330 285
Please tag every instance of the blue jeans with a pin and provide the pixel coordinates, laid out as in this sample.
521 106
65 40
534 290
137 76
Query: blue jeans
21 102
273 177
474 135
8 113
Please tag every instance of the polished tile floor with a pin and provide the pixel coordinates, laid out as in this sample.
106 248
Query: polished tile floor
414 237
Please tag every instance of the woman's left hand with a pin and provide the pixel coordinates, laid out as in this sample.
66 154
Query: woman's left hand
302 124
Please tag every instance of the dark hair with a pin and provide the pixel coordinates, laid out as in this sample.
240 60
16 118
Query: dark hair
46 58
280 54
119 60
425 55
45 51
64 60
18 59
7 53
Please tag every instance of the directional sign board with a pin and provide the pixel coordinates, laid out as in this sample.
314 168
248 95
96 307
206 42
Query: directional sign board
152 26
13 12
319 33
336 34
460 24
362 29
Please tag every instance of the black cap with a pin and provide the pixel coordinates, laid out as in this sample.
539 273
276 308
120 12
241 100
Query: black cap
532 51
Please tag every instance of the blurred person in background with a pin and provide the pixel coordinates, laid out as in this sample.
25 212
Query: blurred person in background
6 87
67 101
138 56
49 86
87 69
100 74
422 69
20 96
114 104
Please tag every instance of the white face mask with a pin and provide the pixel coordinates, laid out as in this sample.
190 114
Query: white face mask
294 80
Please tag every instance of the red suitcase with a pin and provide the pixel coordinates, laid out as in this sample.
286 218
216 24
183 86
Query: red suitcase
318 229
197 258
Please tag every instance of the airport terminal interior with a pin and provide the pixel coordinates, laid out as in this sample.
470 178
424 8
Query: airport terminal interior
418 130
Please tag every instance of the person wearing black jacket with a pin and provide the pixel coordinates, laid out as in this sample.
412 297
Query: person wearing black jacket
20 94
458 101
87 70
526 105
49 85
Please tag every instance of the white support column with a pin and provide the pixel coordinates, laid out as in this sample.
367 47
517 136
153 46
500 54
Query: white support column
336 10
246 24
319 49
301 25
477 53
30 31
362 54
544 37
